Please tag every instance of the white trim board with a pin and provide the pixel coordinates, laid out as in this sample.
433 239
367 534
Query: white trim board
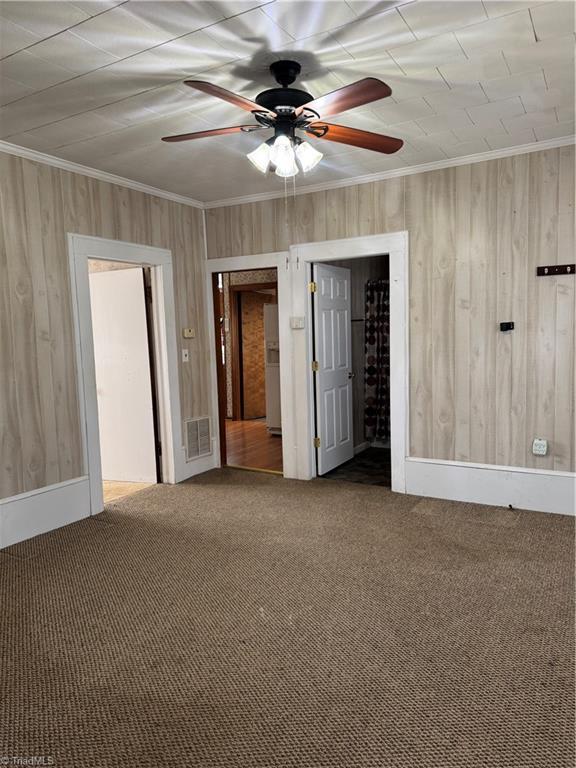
522 488
94 173
42 510
66 165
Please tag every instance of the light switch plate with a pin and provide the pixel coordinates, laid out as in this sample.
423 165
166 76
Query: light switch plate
297 323
540 446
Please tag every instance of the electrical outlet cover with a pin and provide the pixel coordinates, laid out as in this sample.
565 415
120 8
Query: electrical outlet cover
539 446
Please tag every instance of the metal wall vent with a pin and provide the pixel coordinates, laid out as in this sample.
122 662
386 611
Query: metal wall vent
198 440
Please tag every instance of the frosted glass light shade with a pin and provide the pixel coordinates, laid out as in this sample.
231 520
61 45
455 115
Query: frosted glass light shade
282 156
308 156
260 157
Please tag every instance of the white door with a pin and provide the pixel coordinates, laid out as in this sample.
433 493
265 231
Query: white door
333 353
123 382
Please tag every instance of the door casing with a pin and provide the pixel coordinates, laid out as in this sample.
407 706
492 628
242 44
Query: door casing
295 315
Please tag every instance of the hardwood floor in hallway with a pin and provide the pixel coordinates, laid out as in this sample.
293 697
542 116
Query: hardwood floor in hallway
250 445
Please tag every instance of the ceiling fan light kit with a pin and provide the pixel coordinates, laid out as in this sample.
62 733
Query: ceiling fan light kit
287 110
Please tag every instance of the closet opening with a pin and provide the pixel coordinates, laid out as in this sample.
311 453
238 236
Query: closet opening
351 364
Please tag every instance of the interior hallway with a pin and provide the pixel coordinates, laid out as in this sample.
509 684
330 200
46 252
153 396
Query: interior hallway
243 620
249 444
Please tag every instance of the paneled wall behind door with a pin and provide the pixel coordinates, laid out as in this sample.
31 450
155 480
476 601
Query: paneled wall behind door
477 233
39 423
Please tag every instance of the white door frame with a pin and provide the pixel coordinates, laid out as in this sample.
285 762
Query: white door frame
280 261
80 249
294 318
302 256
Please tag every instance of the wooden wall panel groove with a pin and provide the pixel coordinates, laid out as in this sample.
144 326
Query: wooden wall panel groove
40 438
477 234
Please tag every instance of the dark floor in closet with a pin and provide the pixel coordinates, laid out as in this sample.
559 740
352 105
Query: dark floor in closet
371 467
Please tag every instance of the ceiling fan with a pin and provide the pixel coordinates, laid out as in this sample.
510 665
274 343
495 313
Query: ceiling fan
287 110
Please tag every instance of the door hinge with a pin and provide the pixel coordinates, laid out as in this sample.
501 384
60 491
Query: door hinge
316 442
312 287
148 292
315 366
158 448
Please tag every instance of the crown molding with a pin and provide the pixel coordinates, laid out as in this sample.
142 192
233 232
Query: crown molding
495 154
94 173
84 170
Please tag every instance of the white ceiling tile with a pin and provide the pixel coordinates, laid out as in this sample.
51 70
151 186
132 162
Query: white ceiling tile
531 120
424 83
432 52
482 131
495 8
505 140
427 154
71 52
554 130
36 73
495 110
503 32
381 66
13 37
176 18
410 129
432 17
366 38
560 77
93 7
566 111
10 90
365 8
536 101
553 19
462 96
447 122
229 8
249 33
306 18
120 33
43 18
411 109
73 129
506 87
480 67
552 53
463 149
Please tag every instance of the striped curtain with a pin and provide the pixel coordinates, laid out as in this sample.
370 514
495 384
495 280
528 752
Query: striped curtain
377 361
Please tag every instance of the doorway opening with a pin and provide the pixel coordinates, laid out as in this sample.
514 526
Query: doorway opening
248 368
126 381
351 363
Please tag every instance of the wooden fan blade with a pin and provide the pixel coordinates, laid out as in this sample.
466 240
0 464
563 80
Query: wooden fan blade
350 96
366 139
222 93
214 132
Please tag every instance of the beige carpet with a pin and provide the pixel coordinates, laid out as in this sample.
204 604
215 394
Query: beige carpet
246 621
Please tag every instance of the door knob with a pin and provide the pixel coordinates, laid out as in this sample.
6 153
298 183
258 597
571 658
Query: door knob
351 375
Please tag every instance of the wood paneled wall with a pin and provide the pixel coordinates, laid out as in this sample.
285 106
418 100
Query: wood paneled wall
477 233
39 422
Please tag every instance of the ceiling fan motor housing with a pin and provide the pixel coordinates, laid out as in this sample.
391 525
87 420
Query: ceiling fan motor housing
282 97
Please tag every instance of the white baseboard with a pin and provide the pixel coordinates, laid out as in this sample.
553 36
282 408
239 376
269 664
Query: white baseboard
523 488
42 510
361 447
